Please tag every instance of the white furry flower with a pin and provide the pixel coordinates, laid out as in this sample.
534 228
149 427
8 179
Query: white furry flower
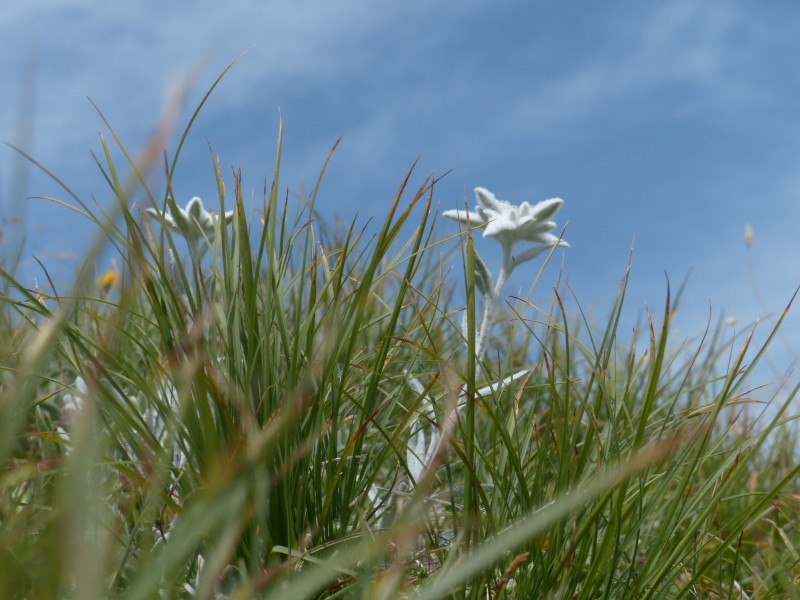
72 404
194 222
509 223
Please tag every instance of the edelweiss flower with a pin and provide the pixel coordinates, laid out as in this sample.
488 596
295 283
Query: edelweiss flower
72 404
422 445
194 222
71 408
509 224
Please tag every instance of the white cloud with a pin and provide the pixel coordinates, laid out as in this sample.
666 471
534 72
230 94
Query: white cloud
677 44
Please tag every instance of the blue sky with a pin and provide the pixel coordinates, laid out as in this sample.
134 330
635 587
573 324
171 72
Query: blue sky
674 122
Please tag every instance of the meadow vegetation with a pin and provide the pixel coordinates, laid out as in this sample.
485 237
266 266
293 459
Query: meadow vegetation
266 406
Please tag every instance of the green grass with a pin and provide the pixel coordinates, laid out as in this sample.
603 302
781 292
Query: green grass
245 425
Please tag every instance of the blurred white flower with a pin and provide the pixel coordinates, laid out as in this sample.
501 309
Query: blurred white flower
422 445
194 222
492 388
72 404
71 409
420 450
168 401
424 442
509 224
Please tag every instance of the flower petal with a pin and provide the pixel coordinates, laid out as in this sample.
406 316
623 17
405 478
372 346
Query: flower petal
487 200
464 216
530 253
194 208
502 223
178 215
157 214
497 386
163 218
206 222
534 251
548 239
545 209
416 455
532 231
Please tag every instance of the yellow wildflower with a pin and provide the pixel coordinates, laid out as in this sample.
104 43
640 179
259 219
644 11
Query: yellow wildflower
108 280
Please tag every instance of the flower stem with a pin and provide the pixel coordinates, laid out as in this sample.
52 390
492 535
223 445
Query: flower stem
470 495
489 306
483 334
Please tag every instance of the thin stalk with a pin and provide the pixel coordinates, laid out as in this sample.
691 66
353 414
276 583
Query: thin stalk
489 305
470 508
